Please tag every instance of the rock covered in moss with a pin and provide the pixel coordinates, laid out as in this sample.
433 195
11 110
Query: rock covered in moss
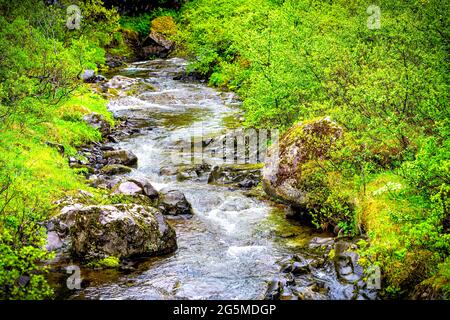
300 151
120 231
158 42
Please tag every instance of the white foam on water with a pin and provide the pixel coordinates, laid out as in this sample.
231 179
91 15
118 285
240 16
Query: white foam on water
245 251
134 103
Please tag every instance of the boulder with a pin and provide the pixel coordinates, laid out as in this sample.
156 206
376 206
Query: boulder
127 188
123 157
173 202
136 186
240 175
89 76
286 174
98 121
158 45
146 186
121 231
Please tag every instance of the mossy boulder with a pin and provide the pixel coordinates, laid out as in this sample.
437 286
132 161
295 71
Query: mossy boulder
164 25
301 172
159 43
120 231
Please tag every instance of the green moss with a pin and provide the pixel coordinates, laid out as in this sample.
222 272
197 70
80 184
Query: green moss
106 263
231 121
243 167
289 232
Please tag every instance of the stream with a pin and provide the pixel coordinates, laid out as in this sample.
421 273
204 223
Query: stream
230 247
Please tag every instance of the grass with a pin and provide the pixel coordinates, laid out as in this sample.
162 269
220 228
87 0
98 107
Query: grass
387 212
39 169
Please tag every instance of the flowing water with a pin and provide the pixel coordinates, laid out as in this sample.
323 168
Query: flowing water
229 248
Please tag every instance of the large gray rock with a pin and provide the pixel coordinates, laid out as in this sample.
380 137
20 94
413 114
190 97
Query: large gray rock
121 231
173 202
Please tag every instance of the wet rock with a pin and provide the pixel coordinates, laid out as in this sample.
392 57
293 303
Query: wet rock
299 268
309 293
168 171
158 45
54 242
98 181
98 121
346 262
296 265
243 176
324 243
189 76
195 172
123 157
127 188
146 186
173 202
120 231
274 289
135 186
182 176
89 76
284 172
114 169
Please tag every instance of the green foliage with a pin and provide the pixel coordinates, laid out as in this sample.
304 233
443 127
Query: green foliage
42 102
108 263
142 23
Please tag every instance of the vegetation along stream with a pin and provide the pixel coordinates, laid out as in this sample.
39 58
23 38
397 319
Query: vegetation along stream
224 149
